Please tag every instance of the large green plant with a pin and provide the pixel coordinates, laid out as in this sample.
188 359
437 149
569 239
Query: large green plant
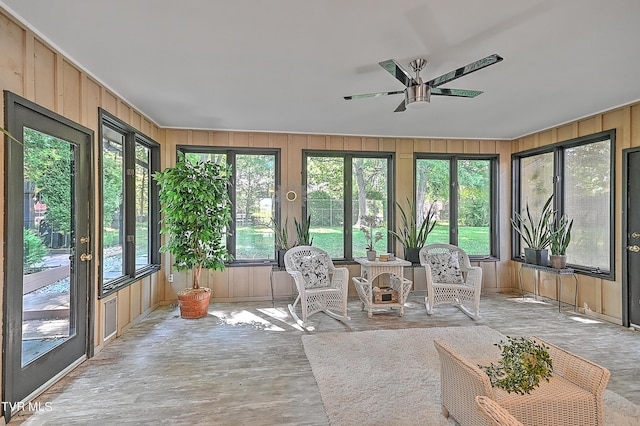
34 251
281 234
560 235
412 234
535 234
196 213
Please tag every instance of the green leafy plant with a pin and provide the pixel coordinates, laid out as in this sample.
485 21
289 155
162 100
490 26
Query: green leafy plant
34 251
302 229
196 213
368 225
560 235
412 234
523 364
536 235
280 233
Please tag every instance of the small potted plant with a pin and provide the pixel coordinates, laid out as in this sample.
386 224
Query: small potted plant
560 238
535 234
522 365
196 213
281 239
368 224
303 231
413 236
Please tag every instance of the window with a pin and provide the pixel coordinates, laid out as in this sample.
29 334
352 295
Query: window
254 197
130 234
341 188
579 174
463 191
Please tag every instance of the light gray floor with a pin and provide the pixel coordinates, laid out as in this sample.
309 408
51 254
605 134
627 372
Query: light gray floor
245 364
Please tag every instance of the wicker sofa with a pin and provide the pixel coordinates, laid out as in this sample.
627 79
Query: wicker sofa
573 396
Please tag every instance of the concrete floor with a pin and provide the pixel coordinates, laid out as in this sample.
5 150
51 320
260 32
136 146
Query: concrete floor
245 363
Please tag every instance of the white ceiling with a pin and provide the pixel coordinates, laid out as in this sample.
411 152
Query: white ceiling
284 65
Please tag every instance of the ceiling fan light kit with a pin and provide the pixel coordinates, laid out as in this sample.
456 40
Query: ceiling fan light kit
417 93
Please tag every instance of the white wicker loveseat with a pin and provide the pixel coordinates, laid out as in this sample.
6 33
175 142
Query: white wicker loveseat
573 395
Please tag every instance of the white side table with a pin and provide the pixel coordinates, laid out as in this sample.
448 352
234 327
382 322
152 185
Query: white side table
371 269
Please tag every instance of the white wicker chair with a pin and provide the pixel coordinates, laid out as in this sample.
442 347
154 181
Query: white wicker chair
321 286
466 292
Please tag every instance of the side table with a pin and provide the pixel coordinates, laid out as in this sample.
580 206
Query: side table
555 271
372 269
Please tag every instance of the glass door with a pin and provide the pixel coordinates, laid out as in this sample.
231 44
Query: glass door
47 287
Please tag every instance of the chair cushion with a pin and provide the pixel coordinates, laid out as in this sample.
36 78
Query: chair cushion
314 269
445 268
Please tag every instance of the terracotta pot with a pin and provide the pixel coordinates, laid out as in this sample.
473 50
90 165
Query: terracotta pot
194 303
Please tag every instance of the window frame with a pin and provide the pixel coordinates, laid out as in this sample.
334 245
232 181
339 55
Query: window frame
231 153
133 137
348 193
559 192
494 197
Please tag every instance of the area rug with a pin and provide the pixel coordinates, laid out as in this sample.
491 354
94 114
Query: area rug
392 377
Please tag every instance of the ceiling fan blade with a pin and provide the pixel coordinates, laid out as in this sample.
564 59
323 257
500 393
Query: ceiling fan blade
461 93
396 70
373 95
401 108
467 69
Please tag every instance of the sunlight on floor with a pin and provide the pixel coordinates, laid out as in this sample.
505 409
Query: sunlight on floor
245 318
586 320
280 315
527 300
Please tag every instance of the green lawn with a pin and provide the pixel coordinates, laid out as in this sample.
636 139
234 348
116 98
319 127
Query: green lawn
257 243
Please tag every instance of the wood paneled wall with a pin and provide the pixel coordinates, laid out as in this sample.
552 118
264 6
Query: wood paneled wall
238 283
601 296
34 70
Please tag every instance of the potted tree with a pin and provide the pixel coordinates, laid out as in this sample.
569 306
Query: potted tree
196 213
535 234
413 236
560 238
368 224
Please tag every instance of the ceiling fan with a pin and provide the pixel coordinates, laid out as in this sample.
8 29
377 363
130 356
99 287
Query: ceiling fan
417 91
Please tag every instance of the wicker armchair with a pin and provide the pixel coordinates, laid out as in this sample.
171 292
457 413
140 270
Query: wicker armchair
573 396
321 286
495 413
451 279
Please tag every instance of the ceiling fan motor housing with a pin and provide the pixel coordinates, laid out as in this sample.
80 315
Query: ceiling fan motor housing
418 93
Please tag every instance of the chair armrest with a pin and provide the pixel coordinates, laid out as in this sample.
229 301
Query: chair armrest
299 281
339 278
474 277
580 371
495 413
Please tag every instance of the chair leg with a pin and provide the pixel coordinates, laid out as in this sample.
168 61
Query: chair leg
428 306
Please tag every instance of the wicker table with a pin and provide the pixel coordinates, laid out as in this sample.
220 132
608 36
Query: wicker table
371 270
557 272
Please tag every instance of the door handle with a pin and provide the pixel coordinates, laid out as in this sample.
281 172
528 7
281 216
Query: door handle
88 256
633 248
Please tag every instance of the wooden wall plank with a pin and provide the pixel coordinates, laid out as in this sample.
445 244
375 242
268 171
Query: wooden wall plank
45 75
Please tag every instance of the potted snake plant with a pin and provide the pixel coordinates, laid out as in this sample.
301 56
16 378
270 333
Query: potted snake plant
560 238
412 235
535 234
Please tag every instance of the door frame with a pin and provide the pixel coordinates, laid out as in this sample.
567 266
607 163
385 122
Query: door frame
13 153
625 234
